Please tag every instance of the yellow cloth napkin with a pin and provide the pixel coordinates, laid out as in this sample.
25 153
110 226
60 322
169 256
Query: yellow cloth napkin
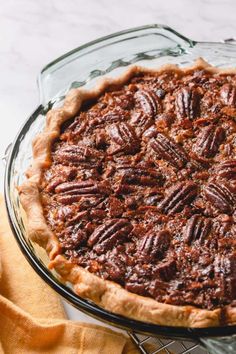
32 319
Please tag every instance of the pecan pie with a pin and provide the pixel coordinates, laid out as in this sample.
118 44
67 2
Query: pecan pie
132 193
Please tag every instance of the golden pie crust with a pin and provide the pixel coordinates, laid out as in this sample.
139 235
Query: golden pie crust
106 294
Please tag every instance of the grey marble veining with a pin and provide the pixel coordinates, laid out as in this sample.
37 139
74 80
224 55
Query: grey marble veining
32 33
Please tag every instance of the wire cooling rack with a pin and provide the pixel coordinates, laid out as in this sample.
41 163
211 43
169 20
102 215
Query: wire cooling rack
154 345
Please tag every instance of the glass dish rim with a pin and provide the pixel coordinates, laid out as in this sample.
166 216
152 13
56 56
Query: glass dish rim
114 35
65 292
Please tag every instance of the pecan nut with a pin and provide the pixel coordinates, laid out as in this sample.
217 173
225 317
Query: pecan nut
227 169
140 175
178 197
77 154
148 102
115 268
197 228
110 234
59 175
110 117
225 271
187 103
70 192
228 95
115 207
123 139
73 237
154 244
169 150
209 141
141 122
226 265
220 195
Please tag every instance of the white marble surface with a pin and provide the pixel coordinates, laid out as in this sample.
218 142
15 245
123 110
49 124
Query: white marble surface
32 33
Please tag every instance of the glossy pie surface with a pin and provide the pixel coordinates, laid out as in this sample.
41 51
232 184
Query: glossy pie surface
141 188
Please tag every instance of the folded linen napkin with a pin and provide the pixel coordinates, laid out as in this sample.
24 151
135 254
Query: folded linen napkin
32 319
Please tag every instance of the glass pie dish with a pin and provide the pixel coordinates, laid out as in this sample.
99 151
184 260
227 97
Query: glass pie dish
149 46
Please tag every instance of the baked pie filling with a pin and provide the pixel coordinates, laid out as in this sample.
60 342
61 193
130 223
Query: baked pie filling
141 188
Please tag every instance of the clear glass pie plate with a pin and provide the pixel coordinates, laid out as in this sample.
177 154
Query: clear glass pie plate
148 46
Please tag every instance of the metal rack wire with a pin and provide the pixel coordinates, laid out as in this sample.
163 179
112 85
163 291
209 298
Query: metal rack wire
154 345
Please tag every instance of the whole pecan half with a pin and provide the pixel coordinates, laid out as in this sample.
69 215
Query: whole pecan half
178 197
109 117
220 195
197 228
187 103
70 192
228 95
167 149
209 140
123 139
225 271
227 288
153 244
77 154
141 122
148 102
140 175
108 235
227 169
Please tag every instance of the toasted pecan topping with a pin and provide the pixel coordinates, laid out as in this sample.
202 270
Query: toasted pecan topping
197 229
178 197
220 195
165 148
187 103
209 140
228 94
141 189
